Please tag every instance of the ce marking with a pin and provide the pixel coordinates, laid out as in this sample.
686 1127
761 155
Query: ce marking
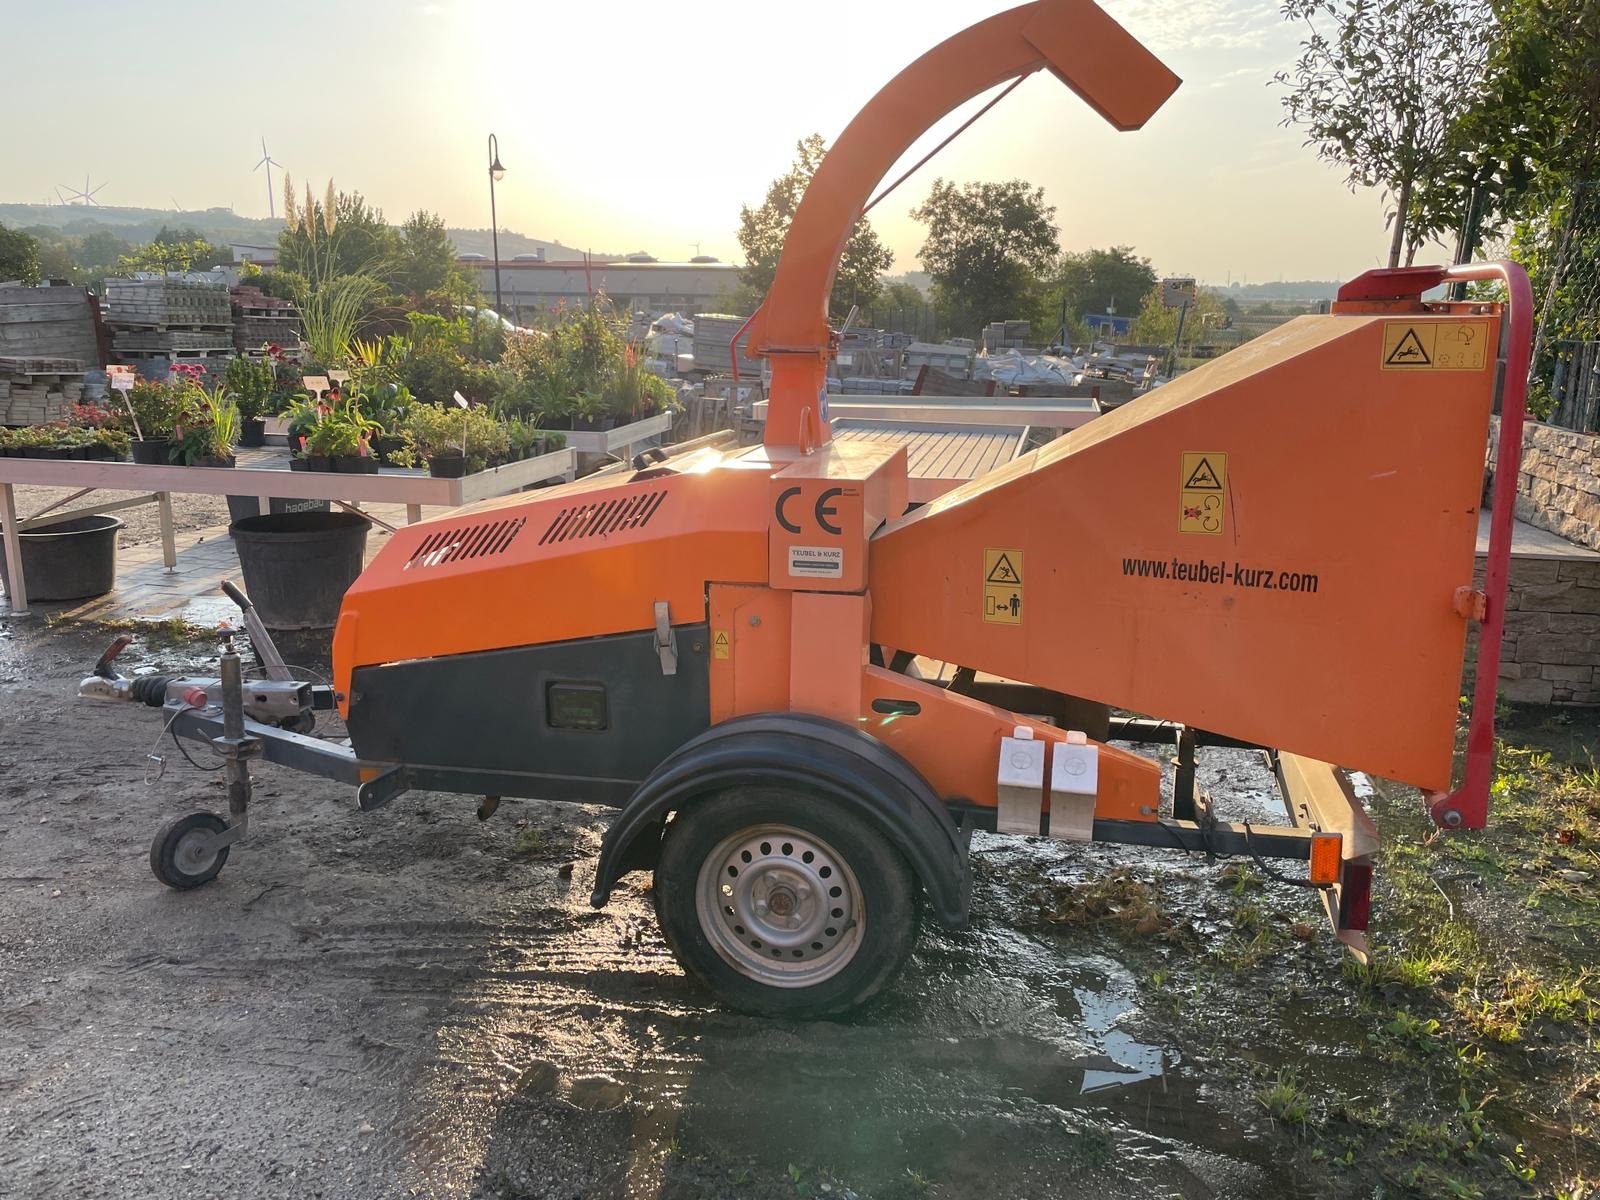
822 510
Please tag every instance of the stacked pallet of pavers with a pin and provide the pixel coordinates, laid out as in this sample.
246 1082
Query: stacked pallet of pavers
36 390
157 322
262 320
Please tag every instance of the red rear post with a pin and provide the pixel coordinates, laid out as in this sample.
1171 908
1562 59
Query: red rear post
1468 806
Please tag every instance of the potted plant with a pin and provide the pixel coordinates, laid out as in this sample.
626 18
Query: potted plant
250 383
35 442
329 439
207 430
593 413
155 407
522 440
439 437
110 444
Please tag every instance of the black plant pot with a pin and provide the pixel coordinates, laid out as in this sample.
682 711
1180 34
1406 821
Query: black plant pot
152 452
447 466
38 452
355 464
253 433
298 464
213 460
384 447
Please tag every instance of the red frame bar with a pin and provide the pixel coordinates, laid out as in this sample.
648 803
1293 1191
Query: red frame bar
1467 807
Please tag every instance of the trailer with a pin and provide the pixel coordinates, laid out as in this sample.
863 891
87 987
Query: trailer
1274 550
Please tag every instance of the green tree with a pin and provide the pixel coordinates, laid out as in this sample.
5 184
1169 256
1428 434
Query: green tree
1380 85
174 250
1091 281
97 253
987 246
425 257
357 240
56 261
900 295
19 256
1157 325
1528 150
763 229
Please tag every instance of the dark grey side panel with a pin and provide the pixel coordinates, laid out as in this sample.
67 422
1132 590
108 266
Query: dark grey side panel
485 713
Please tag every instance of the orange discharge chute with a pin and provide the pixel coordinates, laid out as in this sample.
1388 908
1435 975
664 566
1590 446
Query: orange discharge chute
1073 39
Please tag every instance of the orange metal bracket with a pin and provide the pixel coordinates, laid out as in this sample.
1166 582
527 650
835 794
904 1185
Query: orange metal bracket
1073 39
1468 806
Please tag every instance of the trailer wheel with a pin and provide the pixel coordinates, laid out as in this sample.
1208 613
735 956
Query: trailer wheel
783 903
181 855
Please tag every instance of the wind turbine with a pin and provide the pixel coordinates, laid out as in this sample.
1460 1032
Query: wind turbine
269 162
74 195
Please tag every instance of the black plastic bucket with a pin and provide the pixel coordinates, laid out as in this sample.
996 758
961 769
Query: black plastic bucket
242 508
298 566
70 560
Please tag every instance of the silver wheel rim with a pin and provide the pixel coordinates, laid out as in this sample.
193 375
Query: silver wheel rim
194 854
781 906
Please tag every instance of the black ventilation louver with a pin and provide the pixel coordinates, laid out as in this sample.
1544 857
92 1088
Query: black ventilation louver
466 541
600 518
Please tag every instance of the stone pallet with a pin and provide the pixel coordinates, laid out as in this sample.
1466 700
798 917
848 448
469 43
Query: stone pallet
35 398
178 339
10 365
156 326
253 300
48 321
250 333
170 302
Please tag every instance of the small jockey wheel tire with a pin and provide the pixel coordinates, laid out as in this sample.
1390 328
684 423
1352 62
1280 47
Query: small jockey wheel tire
179 855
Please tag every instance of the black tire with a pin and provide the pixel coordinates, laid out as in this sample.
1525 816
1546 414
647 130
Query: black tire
174 864
889 900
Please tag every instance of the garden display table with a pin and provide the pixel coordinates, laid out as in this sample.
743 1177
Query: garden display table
263 473
622 438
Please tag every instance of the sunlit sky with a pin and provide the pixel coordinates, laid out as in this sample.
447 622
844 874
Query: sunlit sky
629 126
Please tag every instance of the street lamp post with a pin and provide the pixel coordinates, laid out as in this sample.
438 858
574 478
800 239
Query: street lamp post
496 172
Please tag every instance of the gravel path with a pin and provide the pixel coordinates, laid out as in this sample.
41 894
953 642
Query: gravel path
141 524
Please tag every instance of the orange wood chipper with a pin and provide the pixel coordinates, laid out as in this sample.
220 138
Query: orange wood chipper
1274 550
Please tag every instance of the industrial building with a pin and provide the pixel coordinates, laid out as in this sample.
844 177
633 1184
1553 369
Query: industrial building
527 285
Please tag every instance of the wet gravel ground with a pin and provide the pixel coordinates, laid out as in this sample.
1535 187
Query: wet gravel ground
141 523
409 1002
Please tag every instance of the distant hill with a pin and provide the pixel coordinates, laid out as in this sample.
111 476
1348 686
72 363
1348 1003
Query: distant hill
223 226
1303 291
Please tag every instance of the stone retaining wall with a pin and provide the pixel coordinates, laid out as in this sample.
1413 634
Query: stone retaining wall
1551 652
1558 487
1552 641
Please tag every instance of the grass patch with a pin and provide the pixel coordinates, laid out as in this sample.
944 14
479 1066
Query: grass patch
1285 1100
1461 1059
165 633
1118 901
539 841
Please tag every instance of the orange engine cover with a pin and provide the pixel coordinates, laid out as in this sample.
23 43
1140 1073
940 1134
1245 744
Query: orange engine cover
581 561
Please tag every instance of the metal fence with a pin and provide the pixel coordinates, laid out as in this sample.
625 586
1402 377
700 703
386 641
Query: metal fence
1562 253
920 321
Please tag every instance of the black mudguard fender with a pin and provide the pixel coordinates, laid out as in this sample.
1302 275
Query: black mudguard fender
833 760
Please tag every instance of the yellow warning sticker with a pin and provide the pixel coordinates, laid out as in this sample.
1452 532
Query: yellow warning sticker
1435 345
719 644
1203 492
1002 587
